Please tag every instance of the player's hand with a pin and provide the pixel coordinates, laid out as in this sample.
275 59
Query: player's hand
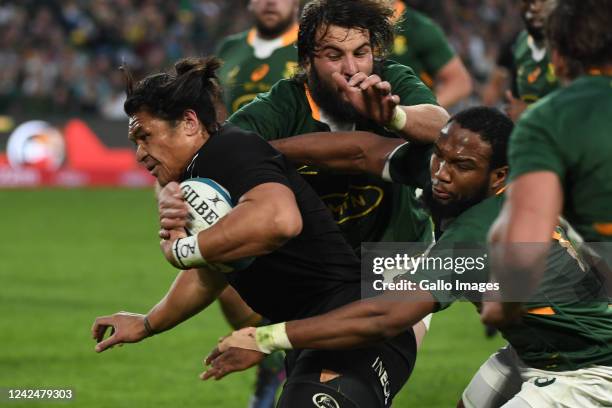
232 360
243 338
125 328
515 106
167 243
369 95
172 208
500 314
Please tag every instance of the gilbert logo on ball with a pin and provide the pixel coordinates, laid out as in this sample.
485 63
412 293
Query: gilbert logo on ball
208 202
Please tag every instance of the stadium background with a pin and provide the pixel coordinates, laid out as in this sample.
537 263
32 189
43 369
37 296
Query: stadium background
79 243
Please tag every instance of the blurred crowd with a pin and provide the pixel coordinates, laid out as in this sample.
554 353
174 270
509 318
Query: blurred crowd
61 56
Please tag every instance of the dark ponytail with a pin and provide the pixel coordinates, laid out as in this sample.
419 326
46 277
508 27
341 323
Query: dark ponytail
191 84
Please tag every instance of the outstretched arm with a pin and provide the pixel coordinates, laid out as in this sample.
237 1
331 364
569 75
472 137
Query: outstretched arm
374 99
348 152
357 324
192 291
360 323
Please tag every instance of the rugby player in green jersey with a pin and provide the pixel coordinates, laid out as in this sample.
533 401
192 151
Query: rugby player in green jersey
346 84
256 59
420 44
560 150
535 74
559 354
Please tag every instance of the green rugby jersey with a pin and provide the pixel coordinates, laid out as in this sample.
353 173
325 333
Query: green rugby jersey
365 207
535 74
568 133
420 43
251 65
556 336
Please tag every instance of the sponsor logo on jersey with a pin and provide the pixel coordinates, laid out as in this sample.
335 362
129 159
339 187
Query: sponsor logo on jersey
322 400
534 75
358 202
260 72
544 381
383 377
242 100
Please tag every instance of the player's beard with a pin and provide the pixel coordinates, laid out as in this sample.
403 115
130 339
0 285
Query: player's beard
329 100
441 211
276 30
537 33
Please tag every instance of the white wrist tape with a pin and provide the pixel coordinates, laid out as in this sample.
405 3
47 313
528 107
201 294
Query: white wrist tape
386 173
187 252
398 121
273 337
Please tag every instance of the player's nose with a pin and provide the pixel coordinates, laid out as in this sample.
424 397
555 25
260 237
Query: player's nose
349 66
442 174
141 153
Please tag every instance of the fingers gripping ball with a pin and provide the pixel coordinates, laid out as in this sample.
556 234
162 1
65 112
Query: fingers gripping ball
207 202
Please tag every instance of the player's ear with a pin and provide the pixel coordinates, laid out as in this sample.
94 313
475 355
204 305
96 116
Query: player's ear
191 123
498 178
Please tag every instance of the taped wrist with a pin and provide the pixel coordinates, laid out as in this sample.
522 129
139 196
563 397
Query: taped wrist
398 121
273 337
187 254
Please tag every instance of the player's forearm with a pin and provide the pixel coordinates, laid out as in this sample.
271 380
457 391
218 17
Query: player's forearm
522 234
357 324
450 92
262 222
423 122
453 83
237 313
192 291
348 152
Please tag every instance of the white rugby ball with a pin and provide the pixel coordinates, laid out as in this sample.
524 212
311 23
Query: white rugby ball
207 202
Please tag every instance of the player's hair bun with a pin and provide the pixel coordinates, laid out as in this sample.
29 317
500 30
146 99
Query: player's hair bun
205 66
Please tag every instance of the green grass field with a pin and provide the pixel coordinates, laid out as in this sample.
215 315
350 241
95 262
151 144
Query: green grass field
67 256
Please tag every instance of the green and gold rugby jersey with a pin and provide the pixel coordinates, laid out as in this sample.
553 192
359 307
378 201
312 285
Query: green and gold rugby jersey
535 74
554 335
568 133
252 65
365 207
420 43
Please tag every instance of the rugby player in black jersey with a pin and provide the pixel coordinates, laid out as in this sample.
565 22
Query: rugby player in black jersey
303 266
